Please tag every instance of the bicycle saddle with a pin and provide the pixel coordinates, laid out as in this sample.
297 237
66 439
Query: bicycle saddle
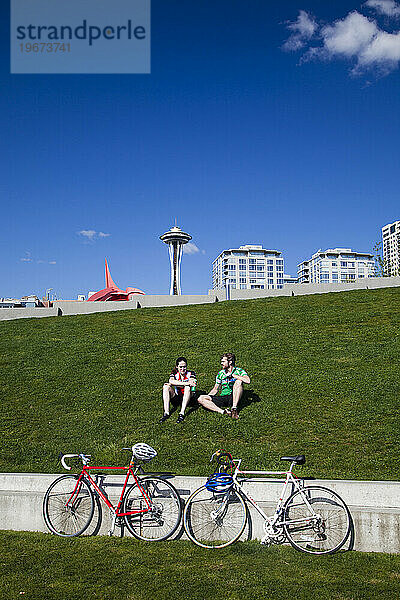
300 459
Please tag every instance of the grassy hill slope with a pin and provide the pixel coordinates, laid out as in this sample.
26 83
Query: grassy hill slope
324 369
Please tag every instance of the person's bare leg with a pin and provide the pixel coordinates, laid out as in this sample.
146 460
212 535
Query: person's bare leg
186 397
168 393
237 393
209 404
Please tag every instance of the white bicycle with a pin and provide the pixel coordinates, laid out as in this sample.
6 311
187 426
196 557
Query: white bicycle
313 518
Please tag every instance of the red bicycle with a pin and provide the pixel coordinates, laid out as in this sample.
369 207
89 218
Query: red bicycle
150 507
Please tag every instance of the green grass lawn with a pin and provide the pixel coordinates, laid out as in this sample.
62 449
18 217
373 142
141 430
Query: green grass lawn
324 369
39 566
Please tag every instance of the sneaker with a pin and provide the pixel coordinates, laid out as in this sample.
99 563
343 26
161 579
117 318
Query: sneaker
227 412
234 413
164 417
180 418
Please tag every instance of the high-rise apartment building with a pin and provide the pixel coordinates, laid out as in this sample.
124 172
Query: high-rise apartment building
337 265
248 267
391 248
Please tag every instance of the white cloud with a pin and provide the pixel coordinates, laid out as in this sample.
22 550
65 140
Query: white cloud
302 30
389 8
27 257
356 38
349 36
190 248
385 48
91 235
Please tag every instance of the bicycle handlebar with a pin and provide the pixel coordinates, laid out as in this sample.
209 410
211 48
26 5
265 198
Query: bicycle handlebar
85 458
220 455
63 457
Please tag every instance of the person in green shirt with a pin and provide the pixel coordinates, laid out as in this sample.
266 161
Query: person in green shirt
231 380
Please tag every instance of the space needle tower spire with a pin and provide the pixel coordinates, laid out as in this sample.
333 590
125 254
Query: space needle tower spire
176 239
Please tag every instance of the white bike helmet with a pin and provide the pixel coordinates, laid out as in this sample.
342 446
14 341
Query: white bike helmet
143 452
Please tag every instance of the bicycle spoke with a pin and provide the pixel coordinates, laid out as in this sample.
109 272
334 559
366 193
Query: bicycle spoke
68 506
214 520
316 520
162 507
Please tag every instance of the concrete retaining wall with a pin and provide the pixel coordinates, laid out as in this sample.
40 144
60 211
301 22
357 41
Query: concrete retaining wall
375 506
304 289
72 307
8 314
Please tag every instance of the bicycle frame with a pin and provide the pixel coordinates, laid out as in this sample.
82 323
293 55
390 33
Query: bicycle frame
115 510
289 479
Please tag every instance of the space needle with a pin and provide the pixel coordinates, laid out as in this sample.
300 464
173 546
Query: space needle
176 239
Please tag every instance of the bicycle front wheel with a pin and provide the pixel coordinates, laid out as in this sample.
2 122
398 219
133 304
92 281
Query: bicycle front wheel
158 509
316 520
68 506
214 520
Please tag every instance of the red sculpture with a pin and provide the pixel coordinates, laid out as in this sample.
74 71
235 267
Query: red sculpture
112 292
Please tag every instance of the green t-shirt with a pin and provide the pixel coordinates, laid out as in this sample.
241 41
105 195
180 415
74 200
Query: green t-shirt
227 381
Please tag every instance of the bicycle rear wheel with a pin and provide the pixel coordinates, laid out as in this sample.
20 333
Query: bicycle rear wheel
214 520
68 506
316 520
161 519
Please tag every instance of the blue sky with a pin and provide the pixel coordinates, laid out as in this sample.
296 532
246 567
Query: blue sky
242 135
